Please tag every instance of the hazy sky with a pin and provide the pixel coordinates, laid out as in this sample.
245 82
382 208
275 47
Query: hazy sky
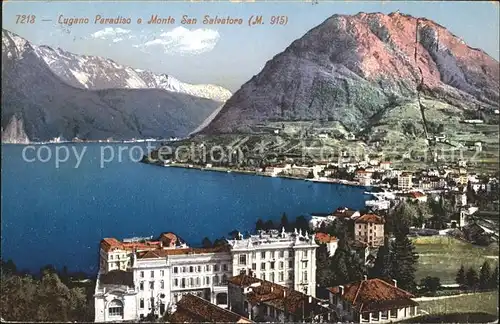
228 55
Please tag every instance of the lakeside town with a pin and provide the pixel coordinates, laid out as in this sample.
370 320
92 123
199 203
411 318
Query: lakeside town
344 265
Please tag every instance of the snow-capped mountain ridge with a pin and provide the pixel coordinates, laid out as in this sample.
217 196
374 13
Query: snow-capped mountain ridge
98 73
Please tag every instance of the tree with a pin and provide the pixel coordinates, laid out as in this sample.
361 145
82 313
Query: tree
259 225
269 225
206 243
284 222
485 276
494 278
381 267
233 235
324 274
403 260
460 278
301 223
219 242
430 284
471 278
345 265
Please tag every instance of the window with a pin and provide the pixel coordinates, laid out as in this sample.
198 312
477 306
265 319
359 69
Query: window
141 285
224 279
253 255
272 265
207 267
304 264
191 269
183 283
141 316
152 274
216 267
359 233
151 285
198 282
176 282
304 276
281 265
254 266
271 277
176 270
162 273
198 268
263 266
305 254
272 254
371 231
263 276
115 308
207 280
183 269
162 284
215 280
111 257
281 276
191 282
243 259
394 313
142 274
290 264
263 254
282 254
224 267
141 303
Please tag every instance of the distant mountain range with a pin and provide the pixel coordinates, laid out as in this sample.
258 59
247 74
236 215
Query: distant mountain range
357 69
49 93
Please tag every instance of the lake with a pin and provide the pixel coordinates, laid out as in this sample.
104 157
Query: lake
58 215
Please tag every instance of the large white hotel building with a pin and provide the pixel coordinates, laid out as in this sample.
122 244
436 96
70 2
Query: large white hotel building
141 277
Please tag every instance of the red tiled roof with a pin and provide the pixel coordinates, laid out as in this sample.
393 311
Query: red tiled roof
374 295
193 309
278 296
109 244
344 212
416 194
154 254
370 218
325 238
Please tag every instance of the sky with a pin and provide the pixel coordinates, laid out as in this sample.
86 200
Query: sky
227 55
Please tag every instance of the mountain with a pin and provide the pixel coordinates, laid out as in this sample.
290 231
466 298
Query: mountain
49 93
355 69
96 73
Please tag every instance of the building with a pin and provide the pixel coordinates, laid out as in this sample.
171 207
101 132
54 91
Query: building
417 196
363 177
385 165
345 213
285 258
369 229
405 181
193 309
264 301
372 301
317 220
160 272
331 242
378 204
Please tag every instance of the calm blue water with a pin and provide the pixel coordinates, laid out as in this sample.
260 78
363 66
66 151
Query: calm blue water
58 215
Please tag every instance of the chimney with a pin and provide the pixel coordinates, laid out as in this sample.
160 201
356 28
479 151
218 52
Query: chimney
341 290
284 293
310 299
395 282
272 288
365 277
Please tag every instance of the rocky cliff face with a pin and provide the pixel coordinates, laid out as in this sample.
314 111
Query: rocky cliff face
46 96
351 68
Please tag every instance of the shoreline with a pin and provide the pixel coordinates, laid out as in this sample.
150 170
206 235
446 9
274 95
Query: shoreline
261 174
